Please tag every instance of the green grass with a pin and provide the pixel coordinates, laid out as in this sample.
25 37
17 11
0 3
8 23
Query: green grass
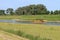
31 17
42 31
9 36
22 33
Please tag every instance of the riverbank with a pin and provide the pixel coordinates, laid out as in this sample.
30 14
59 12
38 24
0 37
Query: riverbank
9 36
32 17
42 31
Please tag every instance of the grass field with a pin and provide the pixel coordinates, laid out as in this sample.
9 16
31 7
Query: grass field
32 31
8 36
42 31
47 17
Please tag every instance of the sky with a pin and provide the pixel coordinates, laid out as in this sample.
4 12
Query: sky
50 4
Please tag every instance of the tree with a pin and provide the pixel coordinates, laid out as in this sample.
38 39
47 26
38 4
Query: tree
48 12
19 11
51 12
32 10
10 11
57 12
2 12
41 9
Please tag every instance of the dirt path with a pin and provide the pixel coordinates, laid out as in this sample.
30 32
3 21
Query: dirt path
9 36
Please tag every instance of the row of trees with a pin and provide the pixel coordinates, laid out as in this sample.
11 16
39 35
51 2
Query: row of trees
32 10
39 9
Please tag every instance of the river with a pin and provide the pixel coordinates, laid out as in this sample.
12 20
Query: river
23 22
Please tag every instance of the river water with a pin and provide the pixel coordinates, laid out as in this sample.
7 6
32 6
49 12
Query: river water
26 22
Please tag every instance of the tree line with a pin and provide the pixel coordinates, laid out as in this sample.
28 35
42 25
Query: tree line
38 9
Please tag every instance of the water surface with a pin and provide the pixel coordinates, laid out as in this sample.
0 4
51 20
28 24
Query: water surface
27 22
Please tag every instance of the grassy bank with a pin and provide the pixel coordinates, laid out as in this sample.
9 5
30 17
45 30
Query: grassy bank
42 31
31 17
9 36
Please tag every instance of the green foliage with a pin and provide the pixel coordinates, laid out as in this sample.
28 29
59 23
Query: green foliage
10 11
2 12
32 10
51 12
57 12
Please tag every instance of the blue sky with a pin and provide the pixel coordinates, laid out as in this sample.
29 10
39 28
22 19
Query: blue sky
50 4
